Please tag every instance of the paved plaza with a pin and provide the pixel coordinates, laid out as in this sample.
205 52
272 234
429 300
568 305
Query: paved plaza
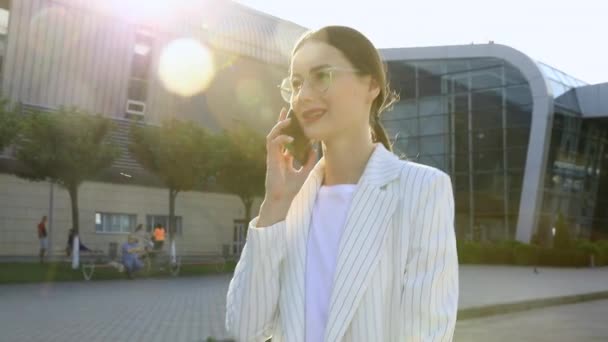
192 309
183 309
580 322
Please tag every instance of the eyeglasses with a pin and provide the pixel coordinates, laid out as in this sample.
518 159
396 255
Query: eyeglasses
320 80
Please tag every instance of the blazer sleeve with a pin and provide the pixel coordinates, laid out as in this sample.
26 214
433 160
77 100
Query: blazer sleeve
252 300
429 299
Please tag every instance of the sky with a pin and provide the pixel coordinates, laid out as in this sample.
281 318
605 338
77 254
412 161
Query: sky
569 35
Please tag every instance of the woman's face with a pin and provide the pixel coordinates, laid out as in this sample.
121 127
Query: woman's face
340 109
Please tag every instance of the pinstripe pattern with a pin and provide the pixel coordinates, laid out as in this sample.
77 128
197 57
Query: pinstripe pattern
397 271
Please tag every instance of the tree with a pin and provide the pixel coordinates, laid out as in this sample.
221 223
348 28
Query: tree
562 238
9 125
66 148
177 152
241 156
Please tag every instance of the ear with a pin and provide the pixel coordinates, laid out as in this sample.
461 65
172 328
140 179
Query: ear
373 91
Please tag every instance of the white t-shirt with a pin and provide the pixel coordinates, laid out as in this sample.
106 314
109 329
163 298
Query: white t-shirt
327 224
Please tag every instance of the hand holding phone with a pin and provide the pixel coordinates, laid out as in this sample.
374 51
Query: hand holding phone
283 180
300 147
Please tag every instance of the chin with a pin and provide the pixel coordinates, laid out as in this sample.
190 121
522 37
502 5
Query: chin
319 133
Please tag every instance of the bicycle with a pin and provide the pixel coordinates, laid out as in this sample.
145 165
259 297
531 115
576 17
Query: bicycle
158 261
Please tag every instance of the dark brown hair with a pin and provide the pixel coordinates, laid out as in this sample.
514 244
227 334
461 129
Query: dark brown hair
364 57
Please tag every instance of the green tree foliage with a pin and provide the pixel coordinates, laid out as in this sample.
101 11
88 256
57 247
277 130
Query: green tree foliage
67 148
177 152
241 164
9 125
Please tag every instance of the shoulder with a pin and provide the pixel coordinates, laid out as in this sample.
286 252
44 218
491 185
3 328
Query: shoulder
420 175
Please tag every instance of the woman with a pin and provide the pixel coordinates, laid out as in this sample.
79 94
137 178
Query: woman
360 246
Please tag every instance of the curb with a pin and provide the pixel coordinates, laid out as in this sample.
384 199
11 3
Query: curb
498 309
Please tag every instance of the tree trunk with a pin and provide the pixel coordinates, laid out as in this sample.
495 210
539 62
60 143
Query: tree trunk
172 228
247 202
73 191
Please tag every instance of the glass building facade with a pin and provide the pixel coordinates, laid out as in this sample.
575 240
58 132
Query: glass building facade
577 158
472 118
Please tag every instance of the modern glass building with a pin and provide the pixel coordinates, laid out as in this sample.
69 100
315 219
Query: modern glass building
523 142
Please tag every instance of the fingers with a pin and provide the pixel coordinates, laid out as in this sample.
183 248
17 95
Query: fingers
282 140
283 114
288 157
309 165
276 145
277 130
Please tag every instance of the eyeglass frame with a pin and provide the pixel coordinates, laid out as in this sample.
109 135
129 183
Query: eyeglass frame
329 69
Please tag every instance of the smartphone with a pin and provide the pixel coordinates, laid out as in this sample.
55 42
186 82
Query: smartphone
300 146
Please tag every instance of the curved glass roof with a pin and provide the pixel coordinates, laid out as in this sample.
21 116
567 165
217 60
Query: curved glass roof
563 86
559 80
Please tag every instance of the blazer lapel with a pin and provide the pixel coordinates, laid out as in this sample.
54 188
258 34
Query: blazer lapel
367 224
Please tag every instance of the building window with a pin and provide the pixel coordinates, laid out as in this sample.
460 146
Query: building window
153 220
4 17
115 223
137 92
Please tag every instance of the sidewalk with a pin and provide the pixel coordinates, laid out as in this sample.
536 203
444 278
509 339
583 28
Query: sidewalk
193 308
487 290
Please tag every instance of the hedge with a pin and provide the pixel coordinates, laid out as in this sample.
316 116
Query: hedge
517 253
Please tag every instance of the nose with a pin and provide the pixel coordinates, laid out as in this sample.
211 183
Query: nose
306 93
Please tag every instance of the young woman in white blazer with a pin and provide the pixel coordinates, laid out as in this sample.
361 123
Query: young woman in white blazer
359 246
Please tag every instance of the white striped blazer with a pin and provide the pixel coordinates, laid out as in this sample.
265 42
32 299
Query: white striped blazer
397 271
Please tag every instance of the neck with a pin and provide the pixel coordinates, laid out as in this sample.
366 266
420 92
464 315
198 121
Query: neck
345 159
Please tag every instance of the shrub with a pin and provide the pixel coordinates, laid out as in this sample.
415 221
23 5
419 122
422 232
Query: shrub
562 238
562 258
517 253
526 254
469 252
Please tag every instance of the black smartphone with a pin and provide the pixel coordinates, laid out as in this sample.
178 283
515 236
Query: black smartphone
300 146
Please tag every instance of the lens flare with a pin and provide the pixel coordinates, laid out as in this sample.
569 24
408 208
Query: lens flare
186 67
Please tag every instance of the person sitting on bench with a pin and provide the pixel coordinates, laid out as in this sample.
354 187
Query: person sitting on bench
131 252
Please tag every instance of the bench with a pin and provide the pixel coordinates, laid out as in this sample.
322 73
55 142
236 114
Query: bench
90 260
162 258
217 260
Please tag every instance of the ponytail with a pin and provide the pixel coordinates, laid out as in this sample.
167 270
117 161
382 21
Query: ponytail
379 133
384 101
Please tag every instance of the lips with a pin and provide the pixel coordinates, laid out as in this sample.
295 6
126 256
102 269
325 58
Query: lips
312 115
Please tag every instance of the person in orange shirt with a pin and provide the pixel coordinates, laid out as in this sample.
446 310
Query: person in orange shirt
159 236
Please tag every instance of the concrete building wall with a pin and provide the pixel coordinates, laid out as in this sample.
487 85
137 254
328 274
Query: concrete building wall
79 53
207 218
57 55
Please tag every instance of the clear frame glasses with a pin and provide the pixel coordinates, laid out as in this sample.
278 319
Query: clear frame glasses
319 80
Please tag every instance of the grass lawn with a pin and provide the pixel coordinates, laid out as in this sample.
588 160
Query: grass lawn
17 272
